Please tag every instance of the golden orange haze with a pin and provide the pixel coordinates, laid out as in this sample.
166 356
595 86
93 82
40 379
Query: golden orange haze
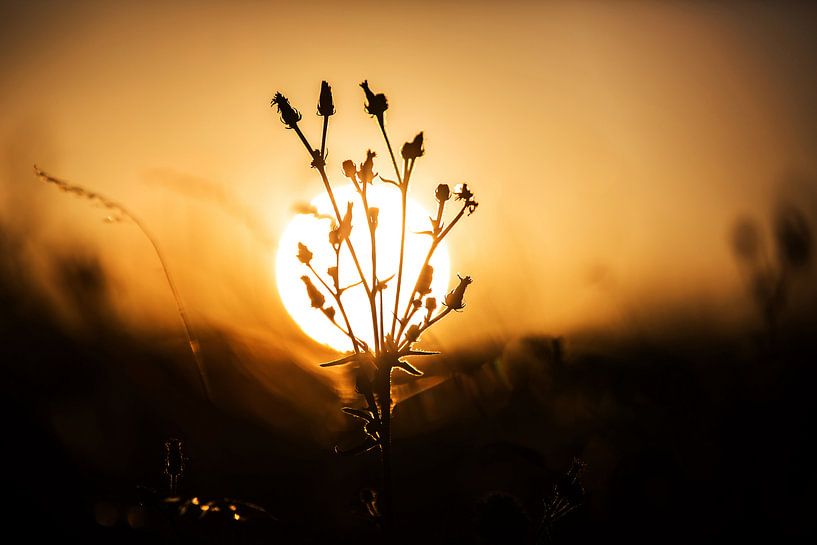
611 145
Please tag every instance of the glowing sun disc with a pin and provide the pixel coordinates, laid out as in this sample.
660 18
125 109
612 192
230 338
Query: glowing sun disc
314 232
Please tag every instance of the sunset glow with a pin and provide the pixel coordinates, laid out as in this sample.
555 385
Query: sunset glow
313 232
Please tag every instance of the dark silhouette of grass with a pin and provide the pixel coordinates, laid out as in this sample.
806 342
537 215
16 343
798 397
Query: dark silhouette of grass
121 212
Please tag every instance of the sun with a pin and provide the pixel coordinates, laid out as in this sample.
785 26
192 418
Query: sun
313 230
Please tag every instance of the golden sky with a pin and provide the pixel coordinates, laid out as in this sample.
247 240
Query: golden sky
611 144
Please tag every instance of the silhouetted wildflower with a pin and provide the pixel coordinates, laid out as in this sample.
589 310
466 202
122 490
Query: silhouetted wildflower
316 298
289 115
304 255
390 347
413 149
377 103
454 299
326 106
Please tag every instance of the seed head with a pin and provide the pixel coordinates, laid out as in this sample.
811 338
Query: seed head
289 115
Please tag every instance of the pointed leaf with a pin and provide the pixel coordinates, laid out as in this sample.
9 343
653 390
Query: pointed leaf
408 368
359 413
341 361
421 353
367 445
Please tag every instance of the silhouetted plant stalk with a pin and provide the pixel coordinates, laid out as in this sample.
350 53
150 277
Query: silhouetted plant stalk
123 212
391 346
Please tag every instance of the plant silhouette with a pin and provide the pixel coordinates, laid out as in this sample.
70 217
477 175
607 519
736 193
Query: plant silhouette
772 271
395 331
119 213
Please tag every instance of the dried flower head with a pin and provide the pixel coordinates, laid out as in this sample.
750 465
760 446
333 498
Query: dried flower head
462 193
413 149
289 115
326 106
377 103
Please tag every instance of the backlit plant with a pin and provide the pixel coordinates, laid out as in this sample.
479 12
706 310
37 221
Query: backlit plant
396 330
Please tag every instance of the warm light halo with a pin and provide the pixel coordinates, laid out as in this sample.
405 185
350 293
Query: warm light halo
314 232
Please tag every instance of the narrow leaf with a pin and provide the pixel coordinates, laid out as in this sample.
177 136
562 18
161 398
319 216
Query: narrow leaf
408 368
342 361
359 413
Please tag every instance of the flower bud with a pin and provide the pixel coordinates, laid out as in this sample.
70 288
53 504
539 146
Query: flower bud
349 169
431 304
316 298
413 333
366 173
326 106
413 149
377 103
304 255
424 281
289 115
454 299
443 193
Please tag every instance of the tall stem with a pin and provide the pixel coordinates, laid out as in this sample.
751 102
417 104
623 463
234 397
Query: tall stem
384 396
403 197
382 123
322 170
323 137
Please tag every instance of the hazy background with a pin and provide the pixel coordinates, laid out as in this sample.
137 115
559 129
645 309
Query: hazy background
611 144
612 147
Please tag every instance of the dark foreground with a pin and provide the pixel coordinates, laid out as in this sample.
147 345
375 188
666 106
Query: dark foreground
709 438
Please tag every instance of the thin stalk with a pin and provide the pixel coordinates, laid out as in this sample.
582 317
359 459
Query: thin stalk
379 338
322 170
382 123
336 296
385 443
405 345
437 239
323 137
403 197
192 343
